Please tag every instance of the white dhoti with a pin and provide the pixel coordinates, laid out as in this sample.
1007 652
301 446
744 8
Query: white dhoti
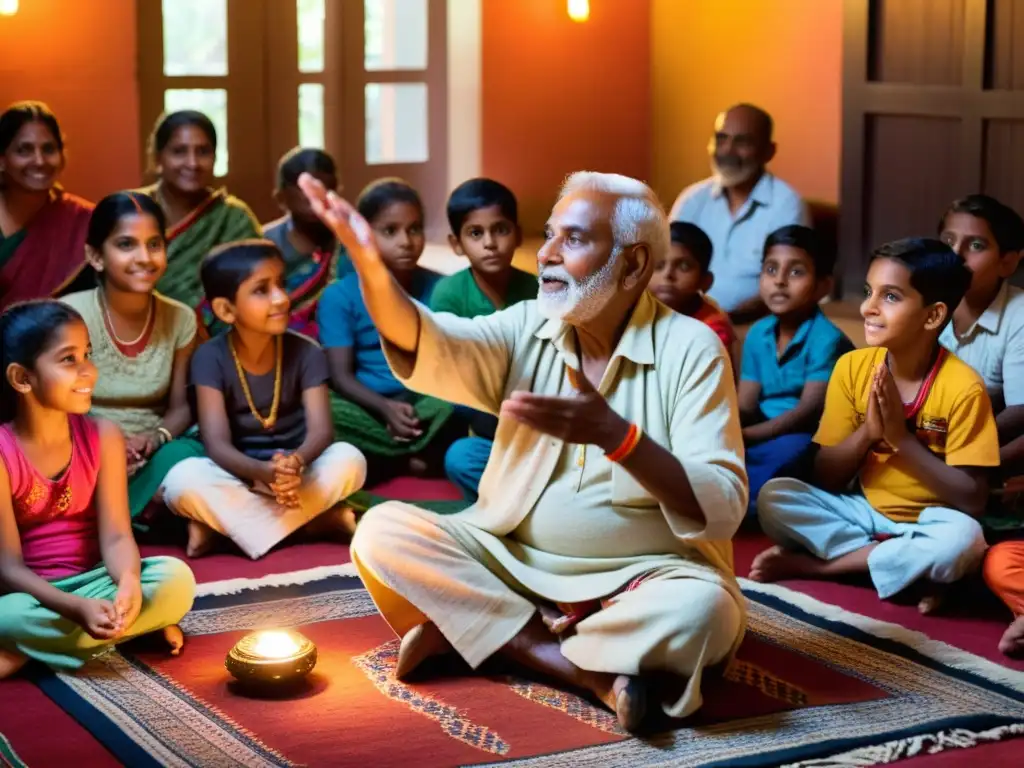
199 489
419 566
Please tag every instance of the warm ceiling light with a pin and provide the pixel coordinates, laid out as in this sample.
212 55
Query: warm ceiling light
579 10
8 7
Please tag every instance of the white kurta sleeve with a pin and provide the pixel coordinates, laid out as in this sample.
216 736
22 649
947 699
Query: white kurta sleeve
705 435
459 360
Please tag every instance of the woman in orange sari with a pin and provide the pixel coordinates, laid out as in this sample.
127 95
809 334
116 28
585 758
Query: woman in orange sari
183 149
42 227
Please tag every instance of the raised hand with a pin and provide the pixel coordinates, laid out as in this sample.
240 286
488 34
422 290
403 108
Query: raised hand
345 221
585 419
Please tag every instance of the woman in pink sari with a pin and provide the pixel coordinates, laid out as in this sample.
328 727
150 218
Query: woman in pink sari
42 227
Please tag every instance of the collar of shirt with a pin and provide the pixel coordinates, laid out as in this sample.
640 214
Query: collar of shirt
636 344
760 194
798 338
989 320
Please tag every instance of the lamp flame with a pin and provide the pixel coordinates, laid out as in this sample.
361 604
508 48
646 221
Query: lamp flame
275 645
8 7
579 10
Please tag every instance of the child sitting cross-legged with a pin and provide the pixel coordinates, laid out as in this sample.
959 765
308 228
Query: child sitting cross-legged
484 217
913 425
787 356
682 278
71 580
398 429
264 416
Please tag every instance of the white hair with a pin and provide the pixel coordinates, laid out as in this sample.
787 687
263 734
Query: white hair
639 216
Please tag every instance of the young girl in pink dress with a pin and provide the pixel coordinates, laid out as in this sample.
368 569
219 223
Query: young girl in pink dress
71 580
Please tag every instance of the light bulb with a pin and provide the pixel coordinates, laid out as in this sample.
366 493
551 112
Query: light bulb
579 10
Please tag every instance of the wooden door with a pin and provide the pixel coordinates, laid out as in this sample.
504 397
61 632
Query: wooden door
933 109
391 71
210 55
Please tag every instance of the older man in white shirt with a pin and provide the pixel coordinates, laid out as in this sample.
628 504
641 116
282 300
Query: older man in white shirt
599 551
739 206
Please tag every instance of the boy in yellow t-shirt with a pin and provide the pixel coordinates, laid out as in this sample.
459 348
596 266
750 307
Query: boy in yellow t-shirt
910 422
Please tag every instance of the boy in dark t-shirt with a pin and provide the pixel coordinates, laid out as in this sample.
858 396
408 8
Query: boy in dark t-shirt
264 416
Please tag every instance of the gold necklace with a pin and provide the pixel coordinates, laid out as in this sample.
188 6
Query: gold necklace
271 419
112 332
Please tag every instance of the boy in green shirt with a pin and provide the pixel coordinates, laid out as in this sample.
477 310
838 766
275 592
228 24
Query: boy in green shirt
484 218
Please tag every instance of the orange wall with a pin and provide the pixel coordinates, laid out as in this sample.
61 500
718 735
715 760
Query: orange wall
559 96
79 56
783 55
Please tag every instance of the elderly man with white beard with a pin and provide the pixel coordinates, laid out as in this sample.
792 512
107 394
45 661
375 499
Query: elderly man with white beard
739 206
599 550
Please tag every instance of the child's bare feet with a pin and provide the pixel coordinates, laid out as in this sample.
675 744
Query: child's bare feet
10 663
201 539
419 644
1012 642
175 638
630 704
417 466
776 563
933 599
339 522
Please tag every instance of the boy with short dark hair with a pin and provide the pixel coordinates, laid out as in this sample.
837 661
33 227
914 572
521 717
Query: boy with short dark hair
681 280
484 218
264 414
911 423
787 356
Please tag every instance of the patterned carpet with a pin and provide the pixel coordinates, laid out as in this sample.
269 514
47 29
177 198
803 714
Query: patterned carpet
812 680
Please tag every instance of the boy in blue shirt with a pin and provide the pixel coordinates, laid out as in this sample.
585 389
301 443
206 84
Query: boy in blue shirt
788 356
484 217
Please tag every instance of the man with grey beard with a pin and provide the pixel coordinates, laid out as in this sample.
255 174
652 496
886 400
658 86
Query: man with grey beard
599 552
739 206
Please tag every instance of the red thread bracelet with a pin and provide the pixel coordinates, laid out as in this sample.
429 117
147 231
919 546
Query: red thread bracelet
627 446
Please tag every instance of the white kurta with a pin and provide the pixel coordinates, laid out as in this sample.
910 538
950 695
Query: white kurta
558 522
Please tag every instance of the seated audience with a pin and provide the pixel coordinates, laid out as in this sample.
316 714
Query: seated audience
141 342
611 492
987 330
484 217
682 279
913 425
739 206
394 426
183 150
42 227
264 414
787 357
1004 574
313 257
71 580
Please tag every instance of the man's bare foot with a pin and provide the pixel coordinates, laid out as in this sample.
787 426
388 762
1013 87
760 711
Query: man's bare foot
201 539
11 662
776 563
175 638
1012 642
933 599
419 644
630 701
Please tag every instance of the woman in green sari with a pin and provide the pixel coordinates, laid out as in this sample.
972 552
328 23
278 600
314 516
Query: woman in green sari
183 149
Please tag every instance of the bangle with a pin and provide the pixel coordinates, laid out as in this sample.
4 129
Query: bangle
627 446
165 435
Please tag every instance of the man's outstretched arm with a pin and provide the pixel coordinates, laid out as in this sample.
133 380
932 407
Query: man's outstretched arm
393 312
